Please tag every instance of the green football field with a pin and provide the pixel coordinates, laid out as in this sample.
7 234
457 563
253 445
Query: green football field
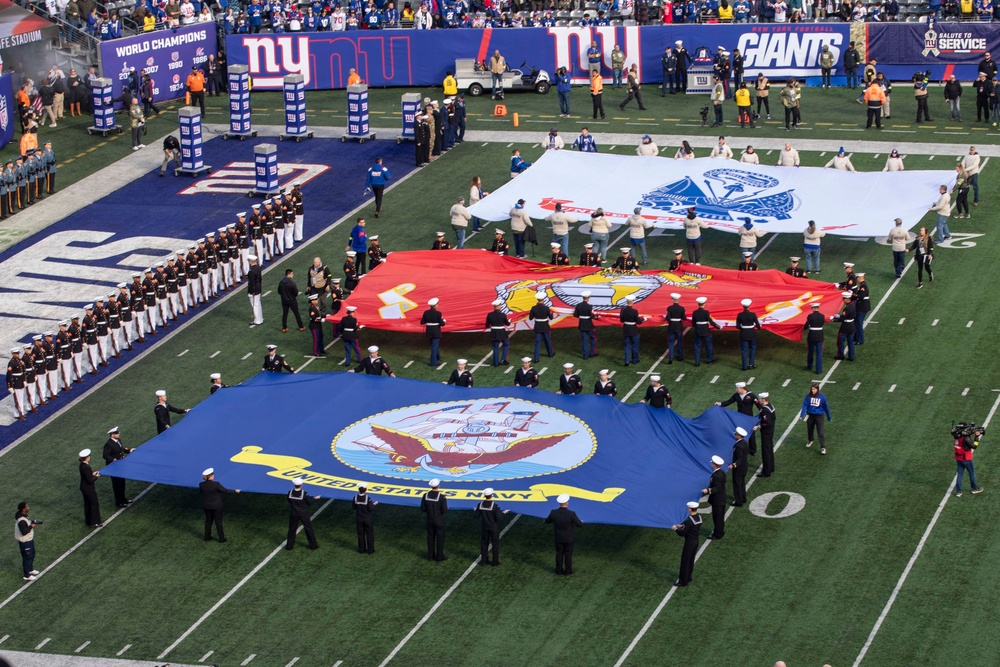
858 554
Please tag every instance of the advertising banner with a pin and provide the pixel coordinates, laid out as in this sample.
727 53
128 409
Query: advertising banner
930 45
166 55
8 110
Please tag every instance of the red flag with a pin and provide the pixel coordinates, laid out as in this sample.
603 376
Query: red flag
394 294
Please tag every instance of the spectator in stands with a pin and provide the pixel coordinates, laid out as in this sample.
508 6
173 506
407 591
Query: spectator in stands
953 94
391 17
173 12
93 22
205 15
891 10
781 10
73 17
114 26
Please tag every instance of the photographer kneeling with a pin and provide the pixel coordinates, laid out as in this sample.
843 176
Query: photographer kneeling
966 440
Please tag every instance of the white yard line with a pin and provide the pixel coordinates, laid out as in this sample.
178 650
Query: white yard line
440 601
670 593
235 588
916 554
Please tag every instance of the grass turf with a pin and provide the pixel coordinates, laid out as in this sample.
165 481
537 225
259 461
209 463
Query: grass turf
807 588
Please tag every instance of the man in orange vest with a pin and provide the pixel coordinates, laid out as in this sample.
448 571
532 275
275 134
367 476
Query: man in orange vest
196 87
874 98
353 78
597 93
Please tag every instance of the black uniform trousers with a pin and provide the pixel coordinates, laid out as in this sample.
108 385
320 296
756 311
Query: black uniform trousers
366 537
598 101
294 308
293 526
118 485
214 516
687 561
718 520
564 558
767 451
752 443
489 537
91 507
377 190
435 541
739 486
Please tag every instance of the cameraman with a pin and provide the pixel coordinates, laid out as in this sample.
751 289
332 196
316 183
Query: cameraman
24 533
966 442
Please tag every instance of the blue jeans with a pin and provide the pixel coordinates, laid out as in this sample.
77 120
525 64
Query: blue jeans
955 106
899 261
962 466
748 353
675 345
28 554
632 349
351 346
497 345
600 242
589 339
708 349
563 101
562 240
616 77
435 354
459 237
476 224
859 322
519 244
812 259
974 182
852 77
942 228
543 336
847 339
641 244
815 351
497 83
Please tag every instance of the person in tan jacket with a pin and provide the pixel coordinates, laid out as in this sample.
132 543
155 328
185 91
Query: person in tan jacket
519 221
497 67
600 233
898 237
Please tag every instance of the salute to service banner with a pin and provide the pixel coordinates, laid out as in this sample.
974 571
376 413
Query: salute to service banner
622 464
392 296
924 45
722 192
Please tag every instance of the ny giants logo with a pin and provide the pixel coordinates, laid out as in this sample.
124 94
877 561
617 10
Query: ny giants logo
571 46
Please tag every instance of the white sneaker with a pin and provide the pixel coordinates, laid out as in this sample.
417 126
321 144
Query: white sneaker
135 148
142 145
35 572
30 577
809 444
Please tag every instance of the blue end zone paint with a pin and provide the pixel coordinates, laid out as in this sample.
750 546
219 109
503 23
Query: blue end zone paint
148 216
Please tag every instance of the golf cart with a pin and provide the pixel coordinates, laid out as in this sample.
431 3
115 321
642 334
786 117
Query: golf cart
475 78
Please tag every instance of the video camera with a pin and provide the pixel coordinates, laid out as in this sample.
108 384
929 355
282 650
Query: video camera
968 430
920 77
703 112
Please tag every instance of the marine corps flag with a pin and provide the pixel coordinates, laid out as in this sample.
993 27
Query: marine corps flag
394 295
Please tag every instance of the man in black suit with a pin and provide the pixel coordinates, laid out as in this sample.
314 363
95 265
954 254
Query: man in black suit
489 514
744 401
690 530
435 504
289 292
254 287
565 520
211 496
91 509
115 451
739 467
162 410
298 511
717 498
364 509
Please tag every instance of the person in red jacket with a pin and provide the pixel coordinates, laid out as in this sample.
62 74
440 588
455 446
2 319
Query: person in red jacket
965 447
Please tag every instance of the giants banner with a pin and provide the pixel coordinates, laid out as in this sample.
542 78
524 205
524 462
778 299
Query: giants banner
928 45
166 55
422 57
394 294
723 192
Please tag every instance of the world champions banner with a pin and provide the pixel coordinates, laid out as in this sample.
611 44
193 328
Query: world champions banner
622 464
394 294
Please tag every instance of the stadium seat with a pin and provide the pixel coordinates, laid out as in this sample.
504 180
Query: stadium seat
629 23
562 23
576 14
562 16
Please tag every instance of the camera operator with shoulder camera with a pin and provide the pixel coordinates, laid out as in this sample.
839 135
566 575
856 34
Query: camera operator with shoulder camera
966 437
24 533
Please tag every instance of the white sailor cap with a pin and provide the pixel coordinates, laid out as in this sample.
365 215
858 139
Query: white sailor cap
488 492
678 42
717 460
27 346
222 230
434 483
113 430
98 298
433 302
499 231
272 347
137 275
562 498
625 251
296 184
498 302
209 234
252 258
64 323
84 453
15 350
48 333
678 251
314 297
795 259
585 294
555 245
363 485
568 365
654 378
815 304
231 225
267 201
748 253
741 385
589 246
675 296
373 237
351 309
193 246
89 306
701 300
847 295
540 295
215 376
207 471
692 505
740 431
524 359
336 280
255 207
160 265
160 393
297 481
603 371
848 265
373 348
630 298
122 286
746 302
241 214
439 234
860 275
38 336
462 362
351 253
763 394
449 100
